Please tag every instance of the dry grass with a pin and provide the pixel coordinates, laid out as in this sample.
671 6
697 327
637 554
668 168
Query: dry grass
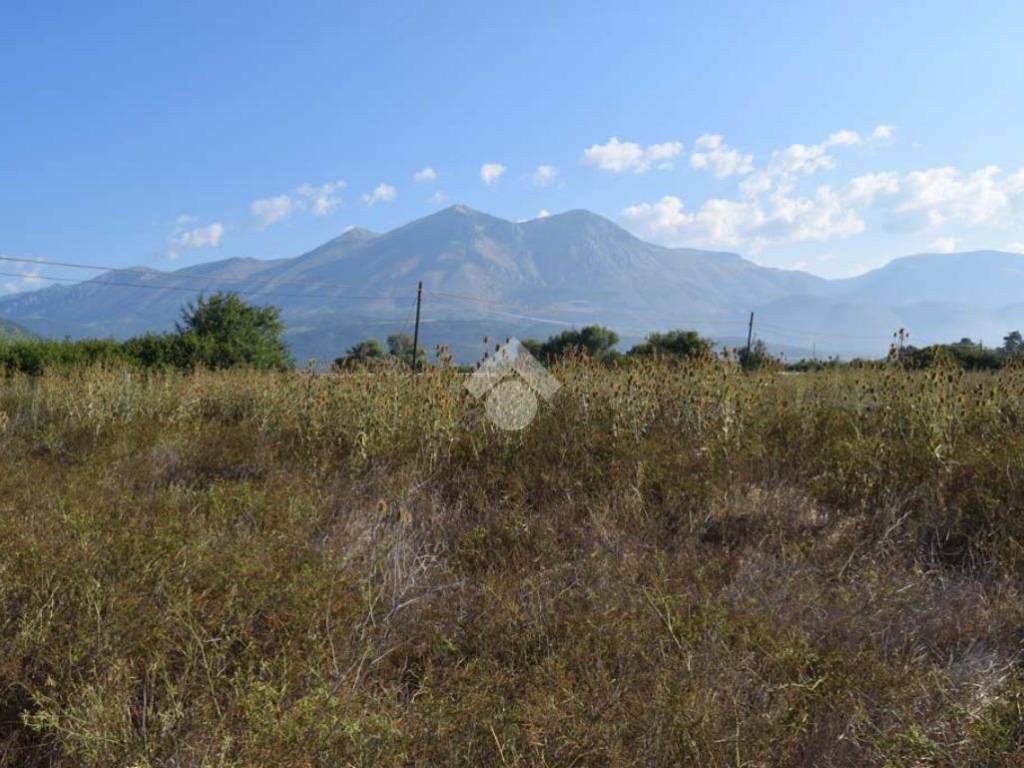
671 566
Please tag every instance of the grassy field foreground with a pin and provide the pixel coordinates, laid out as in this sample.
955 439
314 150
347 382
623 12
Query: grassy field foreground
674 565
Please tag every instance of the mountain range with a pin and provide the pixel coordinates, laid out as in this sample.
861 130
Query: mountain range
486 276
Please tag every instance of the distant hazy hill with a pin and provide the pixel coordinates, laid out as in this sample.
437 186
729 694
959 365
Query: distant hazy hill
487 276
9 330
985 279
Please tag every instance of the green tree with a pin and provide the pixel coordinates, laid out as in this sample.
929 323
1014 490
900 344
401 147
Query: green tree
758 357
679 343
222 331
364 352
1013 343
400 346
593 340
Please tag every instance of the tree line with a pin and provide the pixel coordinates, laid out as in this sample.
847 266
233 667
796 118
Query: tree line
218 331
223 331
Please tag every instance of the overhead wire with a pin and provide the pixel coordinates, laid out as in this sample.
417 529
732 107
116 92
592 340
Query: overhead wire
487 305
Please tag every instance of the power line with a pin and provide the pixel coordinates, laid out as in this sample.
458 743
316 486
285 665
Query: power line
573 324
176 276
827 334
487 304
254 291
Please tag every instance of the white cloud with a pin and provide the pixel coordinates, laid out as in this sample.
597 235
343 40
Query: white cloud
1016 247
880 134
622 156
200 237
798 160
491 172
382 193
931 197
714 154
324 198
438 198
883 133
779 219
802 159
425 174
543 213
318 199
942 245
544 176
983 197
770 209
867 188
843 138
272 209
28 280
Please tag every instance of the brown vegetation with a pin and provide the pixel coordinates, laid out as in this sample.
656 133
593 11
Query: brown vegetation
674 565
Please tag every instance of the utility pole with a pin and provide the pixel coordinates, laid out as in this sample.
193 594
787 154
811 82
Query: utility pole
750 336
416 333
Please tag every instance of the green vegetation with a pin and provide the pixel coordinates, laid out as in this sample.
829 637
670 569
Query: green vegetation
595 341
12 331
369 353
680 344
966 354
217 332
675 564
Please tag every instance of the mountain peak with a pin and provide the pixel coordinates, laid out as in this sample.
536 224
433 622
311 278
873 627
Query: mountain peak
356 234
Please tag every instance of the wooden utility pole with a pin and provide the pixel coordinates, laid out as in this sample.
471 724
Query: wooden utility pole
416 333
750 336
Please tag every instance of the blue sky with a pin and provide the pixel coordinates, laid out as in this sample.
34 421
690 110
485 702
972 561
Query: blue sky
825 136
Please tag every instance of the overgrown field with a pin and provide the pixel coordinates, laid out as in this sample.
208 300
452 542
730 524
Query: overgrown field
673 565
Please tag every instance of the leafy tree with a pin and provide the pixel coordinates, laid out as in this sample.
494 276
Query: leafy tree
156 350
593 340
1013 343
679 343
757 358
534 346
969 356
400 346
364 352
222 331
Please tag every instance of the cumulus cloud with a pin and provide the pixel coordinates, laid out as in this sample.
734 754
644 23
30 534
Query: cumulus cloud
491 172
626 156
799 160
425 174
982 197
714 154
318 199
199 237
438 198
544 176
781 218
543 213
269 210
382 193
883 133
869 187
324 198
